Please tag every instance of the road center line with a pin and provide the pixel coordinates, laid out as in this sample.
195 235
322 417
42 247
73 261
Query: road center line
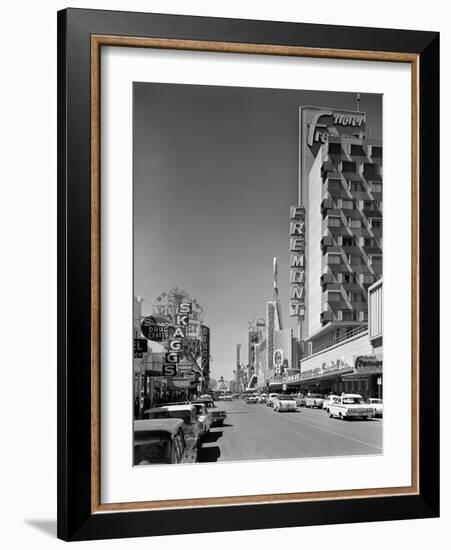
336 433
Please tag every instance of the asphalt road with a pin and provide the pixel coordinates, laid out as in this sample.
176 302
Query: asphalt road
253 432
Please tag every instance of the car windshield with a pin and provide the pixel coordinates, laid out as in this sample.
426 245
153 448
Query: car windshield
199 409
157 452
352 400
208 404
185 415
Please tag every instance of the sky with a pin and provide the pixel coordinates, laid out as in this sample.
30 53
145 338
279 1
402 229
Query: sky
214 176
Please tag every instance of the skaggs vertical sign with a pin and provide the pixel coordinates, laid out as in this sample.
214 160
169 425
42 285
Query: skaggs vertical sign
297 261
205 347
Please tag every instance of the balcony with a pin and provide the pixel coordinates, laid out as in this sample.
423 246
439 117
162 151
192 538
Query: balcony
333 299
370 208
326 317
326 278
348 167
376 152
333 259
333 222
327 204
326 168
357 150
371 172
334 148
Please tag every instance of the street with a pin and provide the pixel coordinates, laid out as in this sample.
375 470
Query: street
255 431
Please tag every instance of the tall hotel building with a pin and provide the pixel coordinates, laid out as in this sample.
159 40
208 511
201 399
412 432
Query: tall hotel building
341 187
340 190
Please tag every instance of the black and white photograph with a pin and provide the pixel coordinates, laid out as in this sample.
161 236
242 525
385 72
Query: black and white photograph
258 274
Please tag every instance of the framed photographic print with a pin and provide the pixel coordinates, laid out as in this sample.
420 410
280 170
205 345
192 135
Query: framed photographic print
248 274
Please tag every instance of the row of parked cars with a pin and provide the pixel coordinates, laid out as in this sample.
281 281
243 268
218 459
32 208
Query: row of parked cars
173 433
342 406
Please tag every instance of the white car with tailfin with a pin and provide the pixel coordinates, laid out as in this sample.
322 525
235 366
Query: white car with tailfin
350 405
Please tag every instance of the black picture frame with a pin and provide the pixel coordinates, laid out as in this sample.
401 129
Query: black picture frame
76 519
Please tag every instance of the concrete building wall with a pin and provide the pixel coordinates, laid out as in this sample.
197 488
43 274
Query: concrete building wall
314 254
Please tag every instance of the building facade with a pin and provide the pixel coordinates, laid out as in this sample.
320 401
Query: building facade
340 190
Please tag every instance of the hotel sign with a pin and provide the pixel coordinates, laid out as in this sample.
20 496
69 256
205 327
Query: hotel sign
325 123
297 261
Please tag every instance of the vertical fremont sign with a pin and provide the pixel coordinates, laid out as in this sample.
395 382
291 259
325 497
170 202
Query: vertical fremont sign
297 261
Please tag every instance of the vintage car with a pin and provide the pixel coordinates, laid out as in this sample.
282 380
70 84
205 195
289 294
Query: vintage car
161 441
314 400
350 405
270 400
204 416
377 405
192 428
218 415
329 400
284 403
300 400
253 399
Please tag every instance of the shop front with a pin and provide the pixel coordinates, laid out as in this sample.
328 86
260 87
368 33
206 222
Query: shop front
362 375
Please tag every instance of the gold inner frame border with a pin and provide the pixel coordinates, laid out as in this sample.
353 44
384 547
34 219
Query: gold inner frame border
97 41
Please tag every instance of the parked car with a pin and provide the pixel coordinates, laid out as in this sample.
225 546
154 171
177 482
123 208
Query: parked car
350 405
192 428
314 400
218 415
300 400
270 400
329 400
161 441
204 416
284 403
377 405
253 399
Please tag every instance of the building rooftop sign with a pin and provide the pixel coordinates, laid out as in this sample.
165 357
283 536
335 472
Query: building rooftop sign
326 122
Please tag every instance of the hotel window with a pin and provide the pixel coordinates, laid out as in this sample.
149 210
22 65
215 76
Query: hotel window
375 187
348 278
369 241
347 166
367 278
334 148
355 223
333 221
355 186
334 184
376 259
333 258
347 203
357 151
334 296
369 205
347 315
376 151
347 241
356 297
354 259
376 223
